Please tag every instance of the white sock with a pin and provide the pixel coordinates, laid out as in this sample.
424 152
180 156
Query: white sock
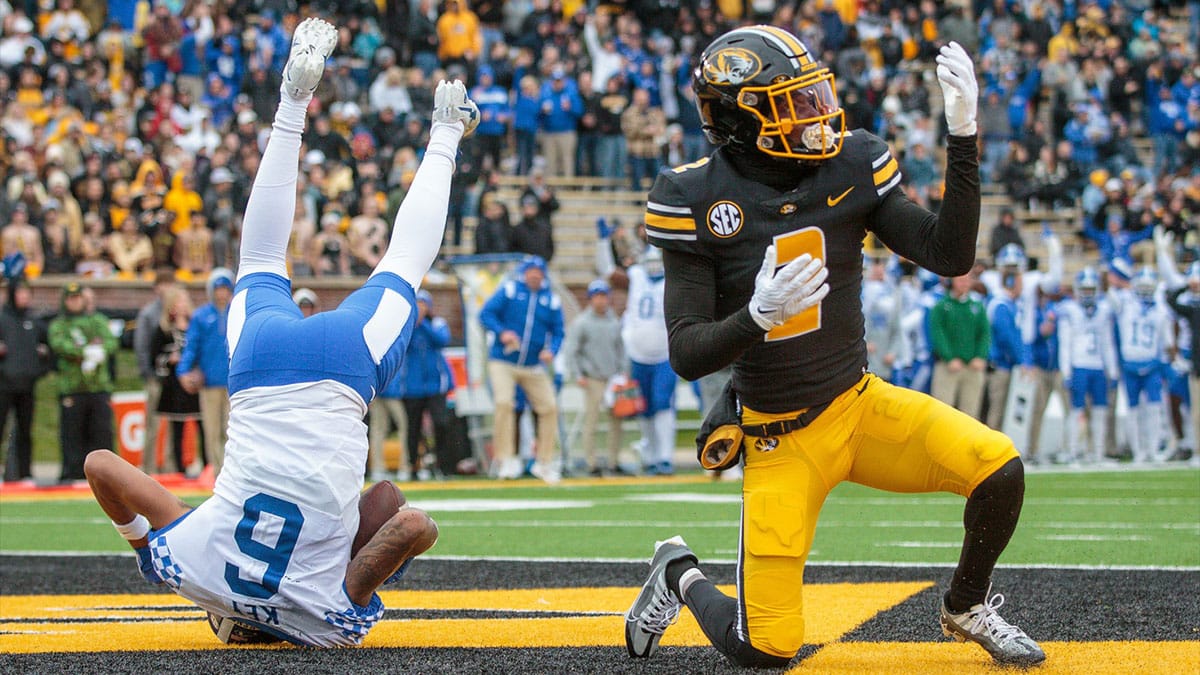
421 220
1099 432
267 224
1076 435
649 451
664 434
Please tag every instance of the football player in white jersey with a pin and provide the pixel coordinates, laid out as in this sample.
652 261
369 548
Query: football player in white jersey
1088 362
269 556
1145 336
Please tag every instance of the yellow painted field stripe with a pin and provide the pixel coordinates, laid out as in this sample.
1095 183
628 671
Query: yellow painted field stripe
952 658
831 610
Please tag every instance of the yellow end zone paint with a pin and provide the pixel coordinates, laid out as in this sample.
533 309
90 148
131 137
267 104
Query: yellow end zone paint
37 623
953 658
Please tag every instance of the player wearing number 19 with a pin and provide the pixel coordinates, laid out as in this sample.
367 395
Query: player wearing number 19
762 247
286 548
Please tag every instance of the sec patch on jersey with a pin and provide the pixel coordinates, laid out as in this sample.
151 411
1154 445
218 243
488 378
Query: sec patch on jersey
379 503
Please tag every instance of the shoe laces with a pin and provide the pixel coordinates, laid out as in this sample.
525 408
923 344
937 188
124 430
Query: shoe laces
662 612
989 620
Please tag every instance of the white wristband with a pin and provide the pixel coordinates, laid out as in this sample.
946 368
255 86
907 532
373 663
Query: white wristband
135 529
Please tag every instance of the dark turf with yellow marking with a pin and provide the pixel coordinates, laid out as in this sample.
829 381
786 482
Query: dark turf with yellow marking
95 615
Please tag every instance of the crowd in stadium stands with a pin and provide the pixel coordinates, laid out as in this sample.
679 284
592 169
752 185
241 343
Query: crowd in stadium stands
132 129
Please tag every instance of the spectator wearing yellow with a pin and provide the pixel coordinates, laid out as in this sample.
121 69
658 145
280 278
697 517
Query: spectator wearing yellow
460 39
182 200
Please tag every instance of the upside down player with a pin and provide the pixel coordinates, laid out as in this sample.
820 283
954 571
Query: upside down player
269 556
788 186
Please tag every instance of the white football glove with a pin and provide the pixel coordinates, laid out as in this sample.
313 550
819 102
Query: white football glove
450 105
780 295
956 75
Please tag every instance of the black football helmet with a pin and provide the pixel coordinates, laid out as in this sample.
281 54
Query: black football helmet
760 87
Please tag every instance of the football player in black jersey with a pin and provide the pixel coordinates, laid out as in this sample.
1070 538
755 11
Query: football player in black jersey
762 244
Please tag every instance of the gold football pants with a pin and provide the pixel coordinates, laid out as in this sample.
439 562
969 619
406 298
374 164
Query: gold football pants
874 434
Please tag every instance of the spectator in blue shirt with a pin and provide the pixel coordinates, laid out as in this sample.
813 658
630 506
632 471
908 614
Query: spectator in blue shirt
1114 240
204 365
495 114
561 107
526 110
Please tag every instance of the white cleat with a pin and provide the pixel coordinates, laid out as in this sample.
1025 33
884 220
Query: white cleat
450 105
312 43
983 625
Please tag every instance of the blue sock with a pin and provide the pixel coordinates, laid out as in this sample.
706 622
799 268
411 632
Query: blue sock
398 574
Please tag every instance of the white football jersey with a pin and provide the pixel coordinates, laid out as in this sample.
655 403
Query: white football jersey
1145 331
272 545
644 324
1086 340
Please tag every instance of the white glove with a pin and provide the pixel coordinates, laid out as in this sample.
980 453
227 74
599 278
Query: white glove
93 356
450 105
956 74
1164 240
780 295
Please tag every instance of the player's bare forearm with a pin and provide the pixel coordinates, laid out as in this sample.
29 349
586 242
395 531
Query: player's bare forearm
405 535
699 343
944 242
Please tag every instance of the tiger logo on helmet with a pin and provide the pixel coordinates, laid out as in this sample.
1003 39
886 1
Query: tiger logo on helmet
759 88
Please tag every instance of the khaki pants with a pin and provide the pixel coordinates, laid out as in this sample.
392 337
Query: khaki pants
214 419
963 390
539 390
153 393
1048 381
593 390
382 410
997 389
559 150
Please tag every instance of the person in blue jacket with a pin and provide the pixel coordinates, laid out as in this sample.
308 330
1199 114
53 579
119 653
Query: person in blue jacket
561 109
1009 349
427 381
525 321
204 365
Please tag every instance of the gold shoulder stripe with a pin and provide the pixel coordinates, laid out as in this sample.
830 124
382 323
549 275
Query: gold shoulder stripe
882 175
670 223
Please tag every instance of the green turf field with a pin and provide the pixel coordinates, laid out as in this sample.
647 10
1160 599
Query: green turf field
1119 518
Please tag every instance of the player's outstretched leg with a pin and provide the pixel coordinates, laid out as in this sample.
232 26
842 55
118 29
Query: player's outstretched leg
267 224
420 221
135 503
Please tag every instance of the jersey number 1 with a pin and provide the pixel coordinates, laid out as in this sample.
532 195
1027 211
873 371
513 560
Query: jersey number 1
275 557
788 247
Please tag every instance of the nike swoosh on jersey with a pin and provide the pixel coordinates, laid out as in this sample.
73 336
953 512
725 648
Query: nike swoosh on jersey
834 201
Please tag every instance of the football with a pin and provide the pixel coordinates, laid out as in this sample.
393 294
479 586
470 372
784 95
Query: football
380 502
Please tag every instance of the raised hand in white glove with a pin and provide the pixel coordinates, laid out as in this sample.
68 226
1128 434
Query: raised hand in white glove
956 75
780 295
1164 240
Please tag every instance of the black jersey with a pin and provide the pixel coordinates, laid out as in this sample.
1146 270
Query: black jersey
714 226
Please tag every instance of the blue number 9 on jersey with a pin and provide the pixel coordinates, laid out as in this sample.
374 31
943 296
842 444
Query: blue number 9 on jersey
282 526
